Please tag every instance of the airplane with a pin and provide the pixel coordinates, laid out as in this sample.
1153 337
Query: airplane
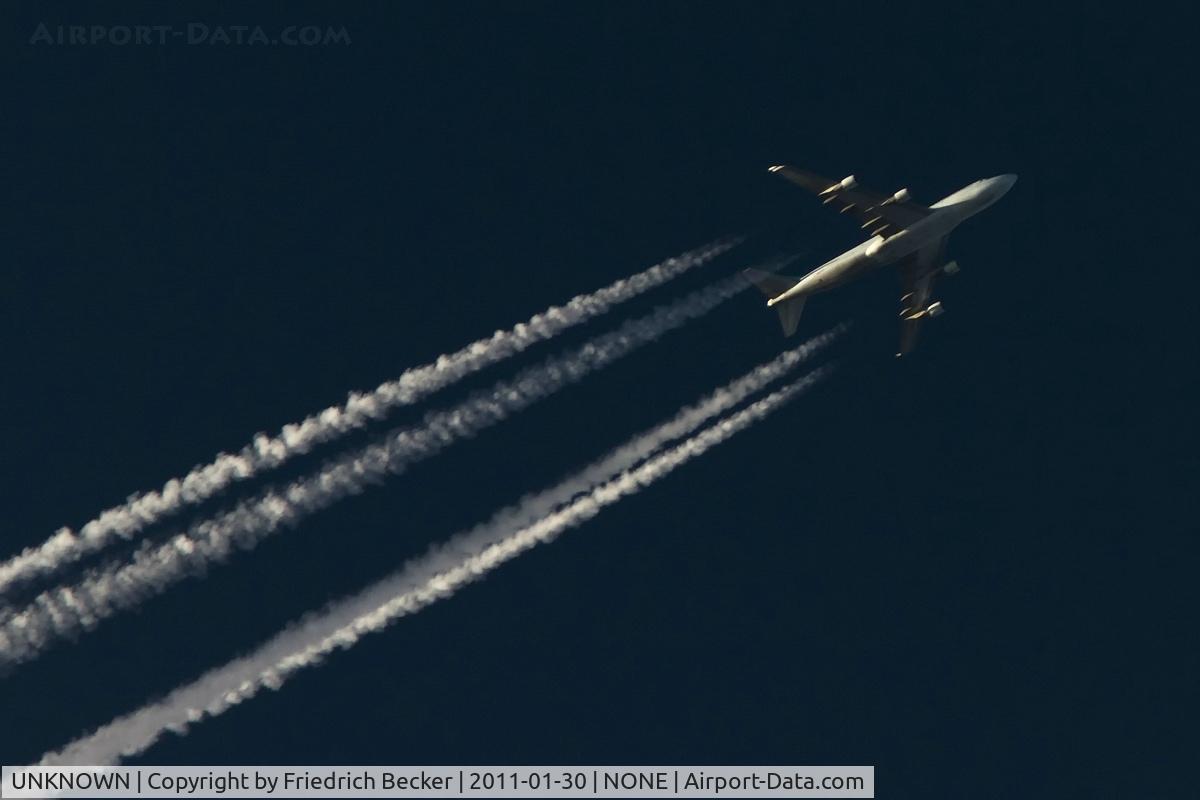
902 232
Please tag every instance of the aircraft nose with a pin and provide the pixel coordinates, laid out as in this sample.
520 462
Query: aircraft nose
1005 181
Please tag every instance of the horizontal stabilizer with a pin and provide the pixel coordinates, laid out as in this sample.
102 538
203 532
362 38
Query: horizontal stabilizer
769 283
772 286
789 313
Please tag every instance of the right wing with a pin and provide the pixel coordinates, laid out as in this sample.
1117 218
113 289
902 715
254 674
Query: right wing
909 326
878 214
917 274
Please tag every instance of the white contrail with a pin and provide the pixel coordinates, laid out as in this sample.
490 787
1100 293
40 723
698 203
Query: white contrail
68 610
439 574
266 452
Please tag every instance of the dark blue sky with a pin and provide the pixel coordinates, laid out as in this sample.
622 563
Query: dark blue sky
973 569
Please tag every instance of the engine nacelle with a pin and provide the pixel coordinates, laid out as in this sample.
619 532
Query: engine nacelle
935 309
848 182
951 268
901 196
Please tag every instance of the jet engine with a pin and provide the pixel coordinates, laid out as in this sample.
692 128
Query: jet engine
901 196
848 182
951 268
932 310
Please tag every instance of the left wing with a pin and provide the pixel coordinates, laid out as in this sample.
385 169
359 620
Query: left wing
878 214
917 274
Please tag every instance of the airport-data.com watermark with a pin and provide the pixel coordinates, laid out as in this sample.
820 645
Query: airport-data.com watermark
191 33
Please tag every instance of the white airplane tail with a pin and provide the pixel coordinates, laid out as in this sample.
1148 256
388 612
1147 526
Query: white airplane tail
772 286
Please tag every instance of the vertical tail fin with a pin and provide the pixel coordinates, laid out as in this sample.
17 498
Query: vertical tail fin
773 285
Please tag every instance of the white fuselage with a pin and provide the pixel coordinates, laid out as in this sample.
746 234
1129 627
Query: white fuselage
876 252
